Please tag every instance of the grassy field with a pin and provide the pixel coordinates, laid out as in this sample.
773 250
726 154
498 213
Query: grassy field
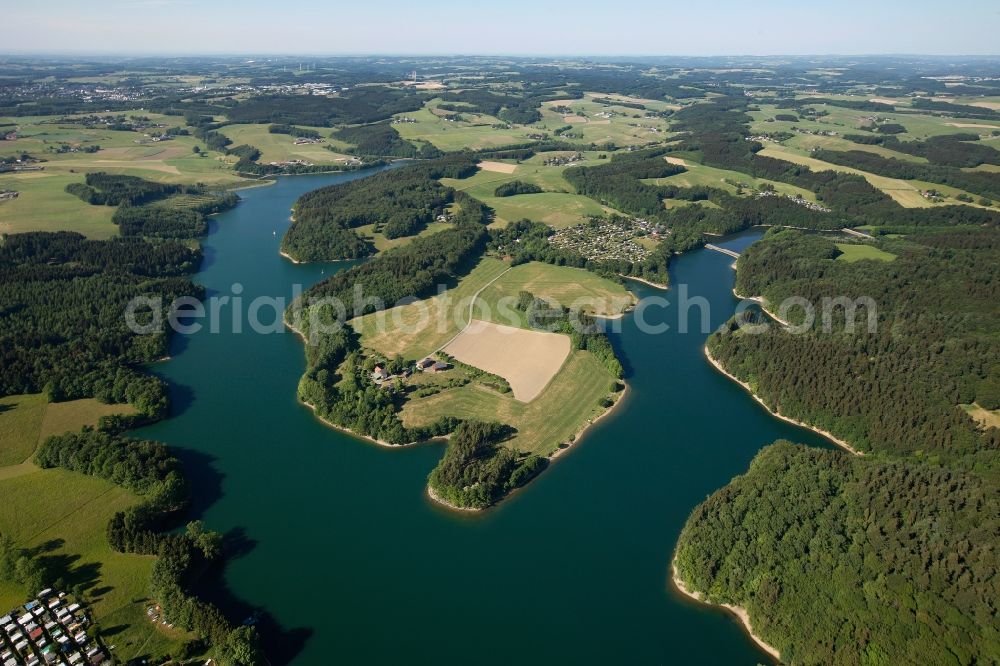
21 419
905 193
65 515
858 251
382 243
563 285
566 405
624 127
699 174
26 420
986 417
475 131
417 329
557 206
282 148
43 205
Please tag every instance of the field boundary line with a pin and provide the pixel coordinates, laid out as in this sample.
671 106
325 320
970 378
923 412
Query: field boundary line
472 305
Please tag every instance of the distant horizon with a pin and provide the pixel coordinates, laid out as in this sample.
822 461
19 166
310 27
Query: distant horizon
716 28
517 55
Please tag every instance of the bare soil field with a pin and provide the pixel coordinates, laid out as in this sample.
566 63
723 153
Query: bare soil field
528 360
498 167
972 125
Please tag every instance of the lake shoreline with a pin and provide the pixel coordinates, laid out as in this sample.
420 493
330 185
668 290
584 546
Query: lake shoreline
430 491
741 613
559 452
830 436
759 300
648 283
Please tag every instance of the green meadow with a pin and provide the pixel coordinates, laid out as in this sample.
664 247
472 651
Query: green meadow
562 285
557 206
568 404
64 515
282 147
851 252
474 132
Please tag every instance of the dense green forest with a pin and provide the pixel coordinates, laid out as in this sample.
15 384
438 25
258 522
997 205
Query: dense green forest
516 187
102 189
477 471
292 130
841 560
62 329
382 140
398 203
154 210
935 347
885 558
367 104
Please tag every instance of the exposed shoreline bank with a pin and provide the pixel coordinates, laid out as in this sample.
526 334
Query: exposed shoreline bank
289 257
763 306
648 283
830 436
740 612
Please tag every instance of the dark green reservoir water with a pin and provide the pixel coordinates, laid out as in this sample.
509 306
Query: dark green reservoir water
353 564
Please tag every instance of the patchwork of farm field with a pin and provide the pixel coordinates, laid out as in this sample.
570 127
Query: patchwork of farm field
598 123
905 193
557 206
569 402
724 179
475 131
847 121
420 328
282 147
43 204
574 288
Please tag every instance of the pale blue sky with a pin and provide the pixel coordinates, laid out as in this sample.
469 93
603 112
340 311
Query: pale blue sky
629 27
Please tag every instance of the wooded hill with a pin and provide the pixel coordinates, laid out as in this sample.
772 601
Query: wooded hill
399 203
886 558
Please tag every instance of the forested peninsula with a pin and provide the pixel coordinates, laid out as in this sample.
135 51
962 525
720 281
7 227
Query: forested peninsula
886 557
